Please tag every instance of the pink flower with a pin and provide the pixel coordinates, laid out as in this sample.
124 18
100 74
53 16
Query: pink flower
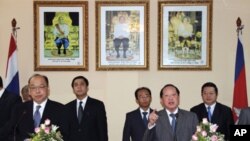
195 138
37 129
204 133
47 122
214 138
213 128
47 130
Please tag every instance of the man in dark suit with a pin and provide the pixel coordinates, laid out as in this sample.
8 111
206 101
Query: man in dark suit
7 104
137 120
171 123
85 117
214 111
24 119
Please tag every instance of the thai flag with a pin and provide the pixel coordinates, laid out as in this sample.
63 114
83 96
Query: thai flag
240 88
12 77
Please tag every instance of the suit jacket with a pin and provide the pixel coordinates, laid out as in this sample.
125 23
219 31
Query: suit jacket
162 131
22 119
134 126
244 118
222 116
94 122
7 104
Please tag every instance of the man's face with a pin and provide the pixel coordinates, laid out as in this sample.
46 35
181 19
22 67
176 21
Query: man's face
144 99
209 95
170 99
38 89
80 88
61 20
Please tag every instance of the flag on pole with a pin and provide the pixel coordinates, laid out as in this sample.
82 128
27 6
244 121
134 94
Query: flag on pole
12 77
240 88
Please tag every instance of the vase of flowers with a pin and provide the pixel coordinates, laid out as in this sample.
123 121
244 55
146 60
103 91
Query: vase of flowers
206 131
46 132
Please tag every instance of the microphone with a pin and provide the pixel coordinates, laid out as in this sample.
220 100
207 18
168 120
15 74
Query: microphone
17 123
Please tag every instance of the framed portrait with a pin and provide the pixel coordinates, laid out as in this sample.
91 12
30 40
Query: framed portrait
122 35
61 35
185 30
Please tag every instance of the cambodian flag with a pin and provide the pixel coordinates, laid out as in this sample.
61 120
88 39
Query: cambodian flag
240 88
12 77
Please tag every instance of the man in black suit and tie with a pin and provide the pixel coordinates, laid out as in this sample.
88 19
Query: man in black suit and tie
7 103
214 111
29 115
171 123
137 120
85 117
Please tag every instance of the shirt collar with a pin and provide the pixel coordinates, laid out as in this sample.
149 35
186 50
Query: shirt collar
41 104
84 100
1 92
141 110
175 111
212 106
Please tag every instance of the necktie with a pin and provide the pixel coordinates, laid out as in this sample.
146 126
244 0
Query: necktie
145 120
37 116
80 112
209 113
173 123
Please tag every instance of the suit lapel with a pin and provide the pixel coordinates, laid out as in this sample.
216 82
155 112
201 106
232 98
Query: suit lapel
216 114
165 121
86 111
45 112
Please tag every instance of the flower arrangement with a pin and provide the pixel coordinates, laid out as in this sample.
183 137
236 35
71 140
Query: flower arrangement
46 132
206 131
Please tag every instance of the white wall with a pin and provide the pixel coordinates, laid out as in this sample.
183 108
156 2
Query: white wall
116 88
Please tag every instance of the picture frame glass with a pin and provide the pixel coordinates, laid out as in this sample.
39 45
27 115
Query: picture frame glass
60 36
185 41
121 36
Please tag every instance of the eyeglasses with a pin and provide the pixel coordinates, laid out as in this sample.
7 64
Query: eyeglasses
35 88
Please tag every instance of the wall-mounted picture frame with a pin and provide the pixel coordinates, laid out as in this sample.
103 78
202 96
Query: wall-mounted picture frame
185 35
122 29
60 35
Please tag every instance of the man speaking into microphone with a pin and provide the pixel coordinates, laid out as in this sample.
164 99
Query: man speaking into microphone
31 114
171 123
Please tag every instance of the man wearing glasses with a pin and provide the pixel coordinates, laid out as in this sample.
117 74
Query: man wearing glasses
31 114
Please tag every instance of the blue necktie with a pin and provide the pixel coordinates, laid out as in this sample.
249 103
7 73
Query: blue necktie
209 113
37 116
145 120
80 112
173 123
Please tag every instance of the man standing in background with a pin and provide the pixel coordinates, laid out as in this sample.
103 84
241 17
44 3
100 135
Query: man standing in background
214 111
136 121
85 117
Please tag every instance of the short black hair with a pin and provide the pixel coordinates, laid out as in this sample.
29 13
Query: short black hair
80 77
142 88
169 85
40 75
1 82
209 84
